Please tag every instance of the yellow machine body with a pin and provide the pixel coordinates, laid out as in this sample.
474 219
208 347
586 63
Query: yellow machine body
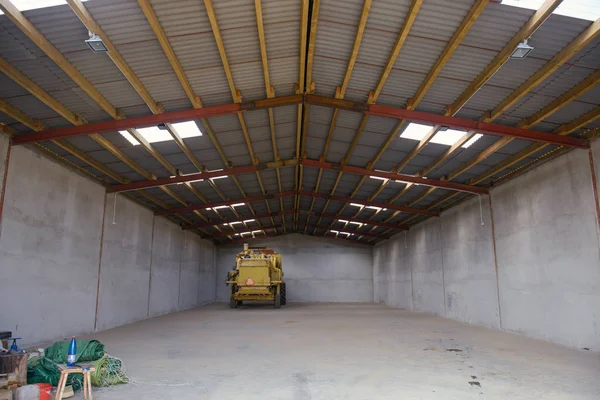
257 276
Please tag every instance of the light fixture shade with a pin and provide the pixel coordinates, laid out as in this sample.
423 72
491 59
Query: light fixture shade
522 50
96 44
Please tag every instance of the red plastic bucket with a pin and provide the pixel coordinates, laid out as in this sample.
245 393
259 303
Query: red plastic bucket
45 391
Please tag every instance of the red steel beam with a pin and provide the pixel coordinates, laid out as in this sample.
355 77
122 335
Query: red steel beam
393 176
364 221
306 162
370 203
198 176
292 193
179 179
153 120
287 212
325 227
329 237
241 219
375 109
224 203
452 122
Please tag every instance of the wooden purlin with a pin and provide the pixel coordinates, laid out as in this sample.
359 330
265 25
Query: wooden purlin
564 129
550 67
86 18
340 93
270 93
235 94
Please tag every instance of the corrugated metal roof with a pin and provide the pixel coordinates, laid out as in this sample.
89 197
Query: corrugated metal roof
122 20
188 29
496 26
282 38
187 26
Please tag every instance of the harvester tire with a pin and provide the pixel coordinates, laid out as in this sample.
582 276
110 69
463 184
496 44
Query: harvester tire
283 295
277 301
233 303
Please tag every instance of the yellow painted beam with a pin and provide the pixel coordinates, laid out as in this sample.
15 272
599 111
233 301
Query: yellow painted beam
15 113
300 89
585 38
269 92
38 126
159 32
563 130
561 101
452 45
408 23
194 99
235 94
373 96
67 114
92 26
311 46
263 48
525 32
212 17
44 44
341 90
87 19
28 28
550 67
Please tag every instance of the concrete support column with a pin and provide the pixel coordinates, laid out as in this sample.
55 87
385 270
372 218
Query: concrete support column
5 148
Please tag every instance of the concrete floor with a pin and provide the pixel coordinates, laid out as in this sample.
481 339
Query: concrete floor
338 351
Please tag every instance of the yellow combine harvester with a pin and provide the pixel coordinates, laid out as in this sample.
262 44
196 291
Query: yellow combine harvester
257 277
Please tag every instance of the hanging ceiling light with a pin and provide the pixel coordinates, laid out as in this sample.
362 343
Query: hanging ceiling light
96 44
522 50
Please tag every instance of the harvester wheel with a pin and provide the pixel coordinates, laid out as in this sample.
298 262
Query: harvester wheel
277 301
233 303
283 295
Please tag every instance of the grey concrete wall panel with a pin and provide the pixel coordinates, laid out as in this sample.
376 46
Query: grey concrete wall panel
166 261
425 259
393 276
49 249
226 262
190 271
206 286
547 250
125 270
315 270
469 268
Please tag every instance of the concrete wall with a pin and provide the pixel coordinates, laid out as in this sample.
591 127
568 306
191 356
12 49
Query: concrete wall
166 260
315 269
534 269
548 255
49 249
126 260
68 270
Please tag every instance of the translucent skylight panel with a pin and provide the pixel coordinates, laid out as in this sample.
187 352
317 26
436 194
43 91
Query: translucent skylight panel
155 134
416 131
582 9
445 137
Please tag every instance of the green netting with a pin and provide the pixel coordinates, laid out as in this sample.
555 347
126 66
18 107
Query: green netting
109 370
44 370
87 350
